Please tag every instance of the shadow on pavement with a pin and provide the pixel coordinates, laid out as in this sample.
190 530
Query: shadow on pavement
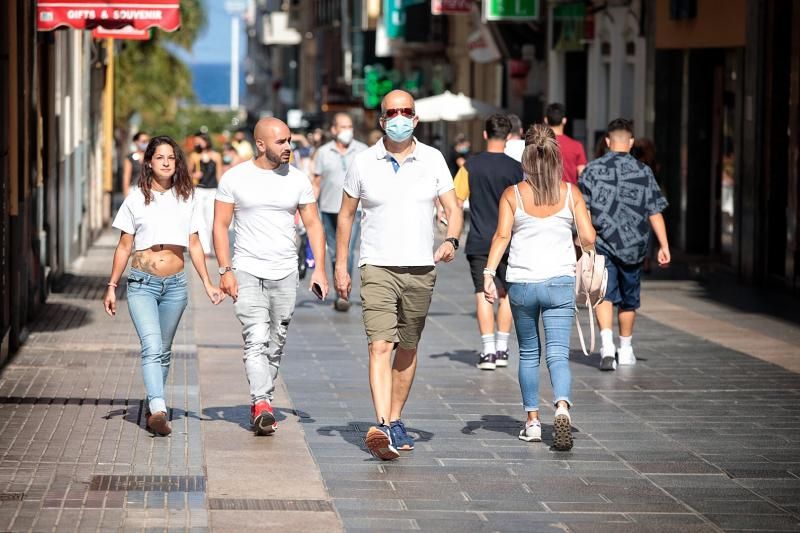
56 316
240 415
468 357
507 425
499 423
354 433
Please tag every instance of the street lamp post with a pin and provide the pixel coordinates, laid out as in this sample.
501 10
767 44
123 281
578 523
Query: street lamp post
235 8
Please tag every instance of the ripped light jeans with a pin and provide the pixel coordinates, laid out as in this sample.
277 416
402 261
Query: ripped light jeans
554 301
265 309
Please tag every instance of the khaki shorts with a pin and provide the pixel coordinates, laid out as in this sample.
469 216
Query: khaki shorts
395 302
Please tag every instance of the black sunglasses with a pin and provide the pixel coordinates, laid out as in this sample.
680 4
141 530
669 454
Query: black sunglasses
405 111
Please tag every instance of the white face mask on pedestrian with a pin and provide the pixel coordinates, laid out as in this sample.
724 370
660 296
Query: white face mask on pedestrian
399 128
345 136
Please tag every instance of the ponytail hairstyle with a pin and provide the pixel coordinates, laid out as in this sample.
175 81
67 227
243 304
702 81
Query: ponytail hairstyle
181 181
541 164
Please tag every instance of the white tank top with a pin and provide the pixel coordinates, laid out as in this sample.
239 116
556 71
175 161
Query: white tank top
541 248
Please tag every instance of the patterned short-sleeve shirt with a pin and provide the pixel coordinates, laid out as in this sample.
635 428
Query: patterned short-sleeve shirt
622 194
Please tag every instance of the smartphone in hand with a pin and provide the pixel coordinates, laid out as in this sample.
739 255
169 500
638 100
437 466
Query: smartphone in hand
317 290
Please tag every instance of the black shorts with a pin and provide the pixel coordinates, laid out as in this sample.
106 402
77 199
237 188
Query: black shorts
476 265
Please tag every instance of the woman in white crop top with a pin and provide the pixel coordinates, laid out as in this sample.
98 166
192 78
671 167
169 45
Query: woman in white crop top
537 216
158 224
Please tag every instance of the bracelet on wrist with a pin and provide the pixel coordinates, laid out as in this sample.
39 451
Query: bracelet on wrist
112 284
489 272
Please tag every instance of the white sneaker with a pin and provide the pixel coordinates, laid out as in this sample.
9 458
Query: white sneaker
532 432
562 430
625 355
608 360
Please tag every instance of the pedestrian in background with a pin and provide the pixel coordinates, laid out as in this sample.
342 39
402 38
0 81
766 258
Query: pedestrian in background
158 221
482 180
462 149
573 156
242 146
261 196
396 181
330 166
515 144
132 166
625 203
537 217
230 157
205 164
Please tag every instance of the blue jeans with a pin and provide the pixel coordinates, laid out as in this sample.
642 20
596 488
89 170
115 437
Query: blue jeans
264 308
156 305
554 300
329 222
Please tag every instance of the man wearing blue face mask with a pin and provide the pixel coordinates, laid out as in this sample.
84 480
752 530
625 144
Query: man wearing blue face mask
396 181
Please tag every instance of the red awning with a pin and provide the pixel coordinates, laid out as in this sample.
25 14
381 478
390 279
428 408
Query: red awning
111 14
127 33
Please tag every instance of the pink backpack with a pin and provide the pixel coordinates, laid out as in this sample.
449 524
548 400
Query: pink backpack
591 278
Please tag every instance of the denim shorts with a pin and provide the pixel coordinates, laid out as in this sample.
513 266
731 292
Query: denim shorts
624 282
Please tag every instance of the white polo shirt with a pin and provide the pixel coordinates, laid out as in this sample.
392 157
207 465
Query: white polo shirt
397 202
265 202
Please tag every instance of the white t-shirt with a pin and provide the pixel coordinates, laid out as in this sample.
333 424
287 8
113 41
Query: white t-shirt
397 202
167 219
514 148
265 202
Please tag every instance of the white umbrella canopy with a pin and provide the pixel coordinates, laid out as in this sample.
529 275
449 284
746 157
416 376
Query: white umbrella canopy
452 108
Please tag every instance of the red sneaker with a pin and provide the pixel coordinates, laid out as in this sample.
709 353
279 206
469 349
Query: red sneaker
263 419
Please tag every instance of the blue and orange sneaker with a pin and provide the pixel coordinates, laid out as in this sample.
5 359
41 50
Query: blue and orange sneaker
402 440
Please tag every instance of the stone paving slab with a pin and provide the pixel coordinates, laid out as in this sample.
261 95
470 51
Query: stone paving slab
672 444
696 437
72 438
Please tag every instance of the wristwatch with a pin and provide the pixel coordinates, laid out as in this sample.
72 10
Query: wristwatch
222 270
453 241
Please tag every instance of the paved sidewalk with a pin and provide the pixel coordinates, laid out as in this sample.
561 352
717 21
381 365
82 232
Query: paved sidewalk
695 437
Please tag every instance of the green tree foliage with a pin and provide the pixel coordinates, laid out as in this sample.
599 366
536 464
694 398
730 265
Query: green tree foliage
196 118
149 78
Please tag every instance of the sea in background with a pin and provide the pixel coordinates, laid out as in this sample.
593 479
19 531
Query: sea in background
212 85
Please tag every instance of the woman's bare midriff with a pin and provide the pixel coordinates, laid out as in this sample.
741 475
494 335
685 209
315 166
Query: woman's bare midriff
160 260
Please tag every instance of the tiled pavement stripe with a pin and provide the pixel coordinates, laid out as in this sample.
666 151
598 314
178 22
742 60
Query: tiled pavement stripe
656 445
252 480
87 421
739 336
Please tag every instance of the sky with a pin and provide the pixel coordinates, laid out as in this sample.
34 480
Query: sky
214 43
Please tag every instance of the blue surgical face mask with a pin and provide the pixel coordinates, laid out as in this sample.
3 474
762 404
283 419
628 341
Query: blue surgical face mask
399 128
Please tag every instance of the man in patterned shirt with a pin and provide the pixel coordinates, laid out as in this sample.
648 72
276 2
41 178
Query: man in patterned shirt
625 203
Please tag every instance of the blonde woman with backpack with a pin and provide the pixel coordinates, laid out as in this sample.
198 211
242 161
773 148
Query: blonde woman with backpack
536 217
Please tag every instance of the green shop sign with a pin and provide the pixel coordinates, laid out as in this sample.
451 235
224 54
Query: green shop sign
511 10
378 82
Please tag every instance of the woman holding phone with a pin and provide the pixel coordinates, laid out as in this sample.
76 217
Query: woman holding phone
159 221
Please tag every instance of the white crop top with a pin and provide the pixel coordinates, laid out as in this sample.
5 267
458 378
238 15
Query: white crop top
166 220
541 247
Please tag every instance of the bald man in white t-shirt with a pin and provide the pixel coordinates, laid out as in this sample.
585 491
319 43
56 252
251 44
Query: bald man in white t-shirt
262 196
396 181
